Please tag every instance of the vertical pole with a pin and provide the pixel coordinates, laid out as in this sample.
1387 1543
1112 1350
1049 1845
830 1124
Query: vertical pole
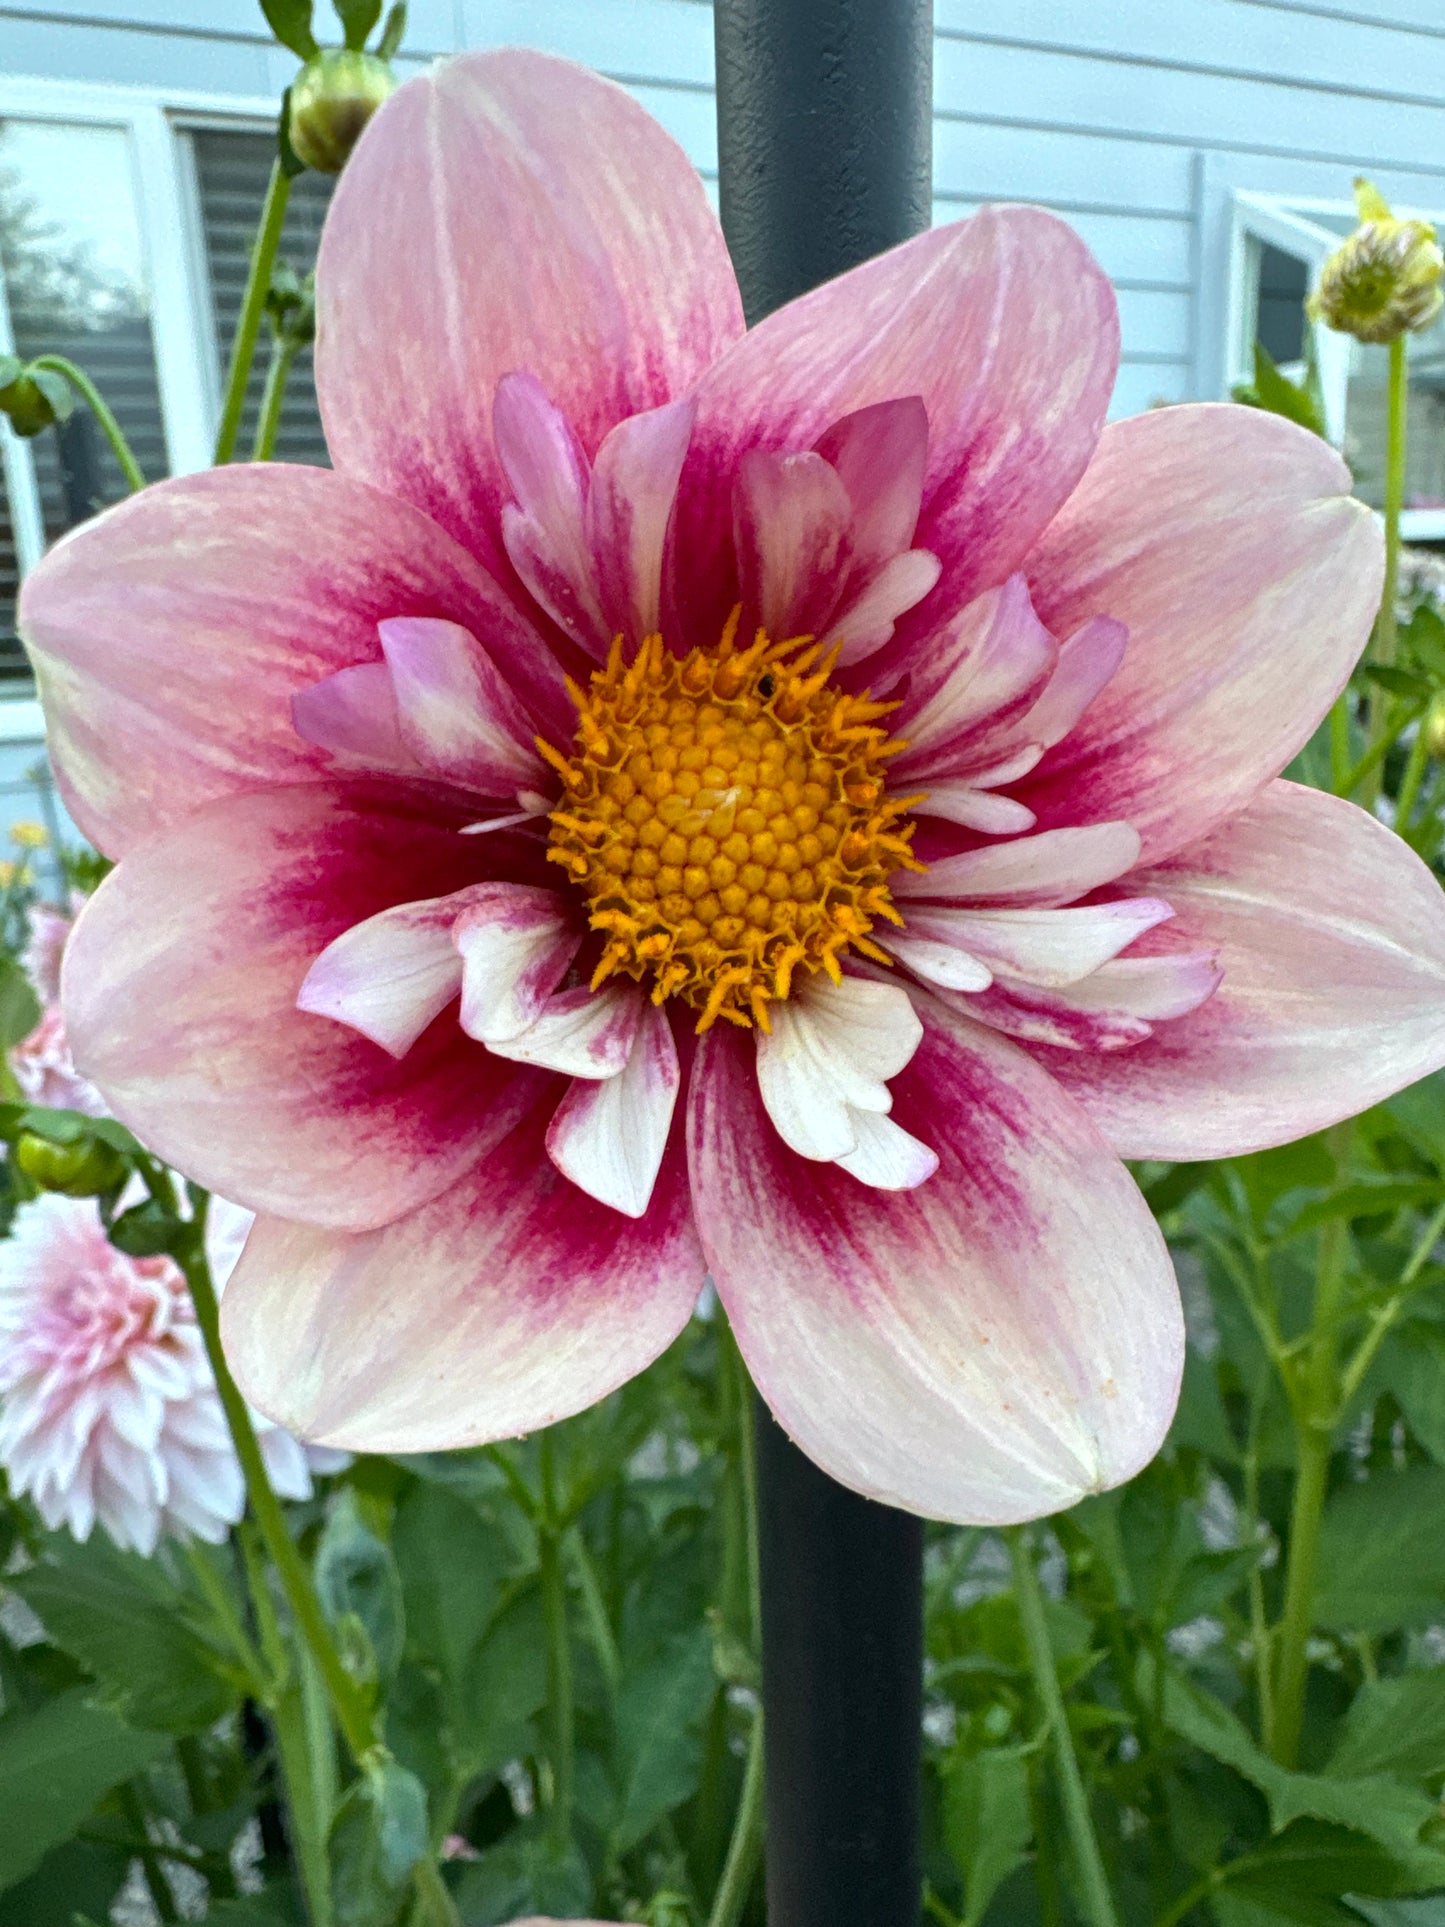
824 142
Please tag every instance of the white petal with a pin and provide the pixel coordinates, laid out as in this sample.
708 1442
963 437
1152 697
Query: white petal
1049 947
886 1156
977 809
609 1136
1054 866
866 623
582 1033
939 961
831 1049
392 975
516 943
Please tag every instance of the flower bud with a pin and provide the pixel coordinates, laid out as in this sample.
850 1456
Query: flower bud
332 98
32 398
1434 728
84 1168
1384 280
291 305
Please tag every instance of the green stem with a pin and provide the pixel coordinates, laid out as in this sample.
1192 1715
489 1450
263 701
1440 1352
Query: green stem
353 1713
740 1867
308 1812
1414 774
594 1608
434 1901
1399 389
278 370
1391 729
110 427
1098 1901
259 1683
559 1650
253 304
1314 1402
149 1856
1340 742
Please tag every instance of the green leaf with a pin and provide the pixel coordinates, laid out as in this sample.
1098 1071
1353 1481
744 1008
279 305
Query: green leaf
357 18
19 1006
506 1684
1399 682
1382 1554
452 1566
658 1749
378 1836
55 1764
123 1620
290 21
1412 1366
1273 391
527 1875
391 33
1394 1726
987 1822
1364 1200
360 1587
75 1880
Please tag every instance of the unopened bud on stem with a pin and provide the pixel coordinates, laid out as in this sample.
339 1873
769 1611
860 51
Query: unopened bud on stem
332 98
1383 281
83 1168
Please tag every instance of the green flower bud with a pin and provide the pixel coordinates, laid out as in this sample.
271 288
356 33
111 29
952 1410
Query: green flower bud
1434 728
291 305
32 398
84 1168
332 98
1384 280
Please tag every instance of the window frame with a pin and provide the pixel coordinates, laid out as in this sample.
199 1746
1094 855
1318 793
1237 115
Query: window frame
156 122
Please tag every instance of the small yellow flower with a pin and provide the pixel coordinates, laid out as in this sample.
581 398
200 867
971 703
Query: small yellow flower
1383 281
30 836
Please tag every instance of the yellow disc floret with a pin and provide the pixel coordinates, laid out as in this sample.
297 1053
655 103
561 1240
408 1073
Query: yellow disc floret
725 815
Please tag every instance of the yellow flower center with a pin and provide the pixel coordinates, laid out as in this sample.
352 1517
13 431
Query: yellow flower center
725 815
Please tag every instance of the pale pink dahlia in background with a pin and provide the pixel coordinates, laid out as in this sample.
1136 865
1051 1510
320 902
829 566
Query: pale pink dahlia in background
109 1413
793 806
42 1062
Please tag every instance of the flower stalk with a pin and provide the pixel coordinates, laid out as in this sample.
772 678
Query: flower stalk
98 406
1097 1899
253 306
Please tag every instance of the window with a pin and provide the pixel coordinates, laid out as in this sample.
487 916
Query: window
126 226
1279 249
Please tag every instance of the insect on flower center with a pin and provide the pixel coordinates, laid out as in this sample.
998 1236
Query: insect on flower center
725 814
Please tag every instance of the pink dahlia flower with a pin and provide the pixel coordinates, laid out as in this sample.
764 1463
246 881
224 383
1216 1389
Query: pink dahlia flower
108 1410
795 806
42 1061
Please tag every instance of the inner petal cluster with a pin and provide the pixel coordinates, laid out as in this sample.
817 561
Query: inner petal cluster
726 816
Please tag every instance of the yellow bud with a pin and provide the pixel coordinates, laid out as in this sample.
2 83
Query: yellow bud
30 836
1383 281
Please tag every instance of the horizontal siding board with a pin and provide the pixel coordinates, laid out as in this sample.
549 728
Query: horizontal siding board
1047 88
1223 37
63 50
664 39
1142 385
979 160
1418 16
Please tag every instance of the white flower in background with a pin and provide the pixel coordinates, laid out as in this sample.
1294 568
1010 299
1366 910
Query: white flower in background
108 1409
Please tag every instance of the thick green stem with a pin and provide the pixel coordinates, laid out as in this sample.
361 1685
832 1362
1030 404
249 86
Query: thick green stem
1097 1899
559 1651
1314 1401
352 1711
308 1811
278 371
253 305
1410 782
594 1607
740 1867
94 401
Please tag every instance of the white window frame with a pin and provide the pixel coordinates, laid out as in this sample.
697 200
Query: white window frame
157 122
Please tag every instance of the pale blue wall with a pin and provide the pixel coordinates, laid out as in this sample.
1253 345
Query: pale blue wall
1134 118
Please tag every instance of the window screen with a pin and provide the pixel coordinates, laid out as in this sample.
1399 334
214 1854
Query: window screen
232 170
70 248
1283 285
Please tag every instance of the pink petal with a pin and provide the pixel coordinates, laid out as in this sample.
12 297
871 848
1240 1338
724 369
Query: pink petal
516 942
1112 1009
524 1301
180 985
791 515
171 634
880 454
581 1032
354 714
629 511
976 809
978 674
1088 660
1331 936
1005 328
1048 947
543 524
987 1347
508 211
864 623
609 1134
1227 542
1055 866
458 716
393 975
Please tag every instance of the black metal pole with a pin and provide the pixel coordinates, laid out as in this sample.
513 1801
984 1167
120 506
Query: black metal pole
824 140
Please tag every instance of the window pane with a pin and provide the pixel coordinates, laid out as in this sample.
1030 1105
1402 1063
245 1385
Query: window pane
232 170
75 281
1283 285
1425 423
